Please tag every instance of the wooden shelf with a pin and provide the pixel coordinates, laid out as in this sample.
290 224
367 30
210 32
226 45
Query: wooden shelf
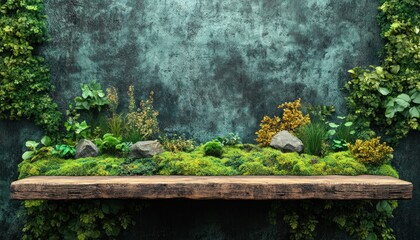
229 188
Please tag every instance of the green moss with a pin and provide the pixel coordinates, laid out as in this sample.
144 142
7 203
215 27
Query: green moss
236 160
385 170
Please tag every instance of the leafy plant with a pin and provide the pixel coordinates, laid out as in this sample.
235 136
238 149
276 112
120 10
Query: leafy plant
405 104
313 136
25 86
177 143
398 76
230 139
213 148
64 151
109 143
34 153
341 134
144 119
291 120
371 151
92 97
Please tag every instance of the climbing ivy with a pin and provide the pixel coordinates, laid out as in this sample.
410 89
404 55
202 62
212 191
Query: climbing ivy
25 85
387 96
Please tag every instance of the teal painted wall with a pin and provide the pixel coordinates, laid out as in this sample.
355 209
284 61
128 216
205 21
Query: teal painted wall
216 66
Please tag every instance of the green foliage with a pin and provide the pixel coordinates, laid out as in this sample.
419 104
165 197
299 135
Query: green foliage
111 144
92 97
386 96
341 134
313 136
372 151
230 139
89 219
213 148
405 104
64 151
143 166
34 153
360 219
175 143
25 85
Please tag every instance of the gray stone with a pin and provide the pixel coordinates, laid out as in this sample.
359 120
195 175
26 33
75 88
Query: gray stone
144 149
286 142
86 148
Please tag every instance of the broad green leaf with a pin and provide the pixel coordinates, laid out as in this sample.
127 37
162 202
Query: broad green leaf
341 117
31 144
414 112
27 155
391 103
46 141
372 236
404 97
348 124
390 112
333 125
332 132
402 103
416 97
384 91
395 69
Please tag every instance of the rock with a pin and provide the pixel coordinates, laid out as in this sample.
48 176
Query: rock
286 142
145 149
86 148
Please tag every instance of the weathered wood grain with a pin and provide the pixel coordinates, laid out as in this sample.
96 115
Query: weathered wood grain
229 188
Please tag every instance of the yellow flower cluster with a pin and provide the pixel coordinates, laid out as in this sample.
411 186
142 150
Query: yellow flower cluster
371 151
292 119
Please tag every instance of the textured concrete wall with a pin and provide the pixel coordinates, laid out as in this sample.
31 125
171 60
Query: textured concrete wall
216 66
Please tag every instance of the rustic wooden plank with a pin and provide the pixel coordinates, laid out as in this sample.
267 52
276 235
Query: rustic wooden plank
229 188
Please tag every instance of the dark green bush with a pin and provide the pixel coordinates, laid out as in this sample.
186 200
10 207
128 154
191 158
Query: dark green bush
213 148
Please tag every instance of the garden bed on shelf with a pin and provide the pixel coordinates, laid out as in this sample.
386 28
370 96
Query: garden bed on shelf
242 159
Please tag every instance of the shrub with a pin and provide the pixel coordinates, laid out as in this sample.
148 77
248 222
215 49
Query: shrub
230 139
371 151
213 148
291 120
142 124
177 143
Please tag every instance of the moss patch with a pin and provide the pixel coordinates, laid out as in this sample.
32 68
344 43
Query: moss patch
242 159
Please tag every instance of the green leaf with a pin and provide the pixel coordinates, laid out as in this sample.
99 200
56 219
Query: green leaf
384 91
414 112
332 132
348 124
333 125
402 103
404 97
46 141
27 155
341 117
31 144
390 112
372 236
395 69
416 97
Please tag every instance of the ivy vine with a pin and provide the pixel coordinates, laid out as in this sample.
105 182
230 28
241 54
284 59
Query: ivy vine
25 85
